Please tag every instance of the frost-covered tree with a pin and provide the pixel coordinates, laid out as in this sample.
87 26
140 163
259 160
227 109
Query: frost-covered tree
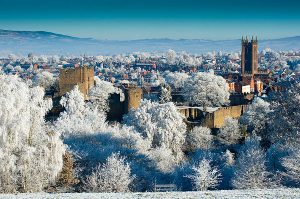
256 117
176 80
9 68
165 94
30 154
93 140
113 176
206 89
227 167
163 158
250 171
230 132
189 60
43 59
79 118
171 56
285 126
160 125
199 138
205 176
44 79
229 157
100 93
13 57
19 69
291 163
234 56
278 124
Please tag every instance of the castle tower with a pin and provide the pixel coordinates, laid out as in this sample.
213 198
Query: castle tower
81 76
133 98
249 63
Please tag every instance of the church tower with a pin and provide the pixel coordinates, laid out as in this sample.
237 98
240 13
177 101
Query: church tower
249 62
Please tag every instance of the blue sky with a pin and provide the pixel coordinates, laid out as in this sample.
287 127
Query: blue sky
140 19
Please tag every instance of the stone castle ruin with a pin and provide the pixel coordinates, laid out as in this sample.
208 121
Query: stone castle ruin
212 117
81 76
133 98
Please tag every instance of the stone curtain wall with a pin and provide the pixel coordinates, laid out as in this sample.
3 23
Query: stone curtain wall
231 111
215 119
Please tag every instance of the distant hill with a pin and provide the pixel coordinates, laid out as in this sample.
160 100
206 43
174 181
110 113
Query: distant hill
41 42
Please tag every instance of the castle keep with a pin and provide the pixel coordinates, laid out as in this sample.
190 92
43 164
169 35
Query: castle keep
81 76
133 98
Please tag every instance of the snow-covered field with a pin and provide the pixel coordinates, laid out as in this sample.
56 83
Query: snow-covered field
243 194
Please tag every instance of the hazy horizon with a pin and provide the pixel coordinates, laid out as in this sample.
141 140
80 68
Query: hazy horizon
160 38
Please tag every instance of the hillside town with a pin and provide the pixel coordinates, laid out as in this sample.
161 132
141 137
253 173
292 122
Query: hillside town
160 77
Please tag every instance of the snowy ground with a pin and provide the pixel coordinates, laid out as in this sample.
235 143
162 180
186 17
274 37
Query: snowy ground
242 194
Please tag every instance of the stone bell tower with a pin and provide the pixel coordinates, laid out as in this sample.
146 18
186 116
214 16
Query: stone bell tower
249 63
